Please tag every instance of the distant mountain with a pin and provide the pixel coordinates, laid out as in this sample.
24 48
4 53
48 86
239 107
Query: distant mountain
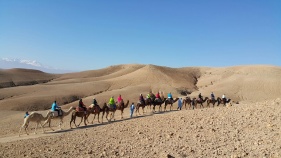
6 63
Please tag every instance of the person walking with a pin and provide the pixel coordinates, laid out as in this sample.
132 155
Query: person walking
132 108
179 104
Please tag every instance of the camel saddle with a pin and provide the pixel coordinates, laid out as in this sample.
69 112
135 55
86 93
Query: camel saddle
79 109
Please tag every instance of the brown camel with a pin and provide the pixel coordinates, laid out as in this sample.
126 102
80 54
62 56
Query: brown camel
81 114
200 102
148 102
106 109
211 101
223 101
142 105
94 110
171 102
187 101
158 102
64 113
34 117
121 106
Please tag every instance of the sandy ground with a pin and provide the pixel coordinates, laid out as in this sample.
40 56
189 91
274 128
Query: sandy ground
248 129
242 130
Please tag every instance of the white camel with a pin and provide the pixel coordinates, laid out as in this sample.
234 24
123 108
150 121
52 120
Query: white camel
34 117
64 113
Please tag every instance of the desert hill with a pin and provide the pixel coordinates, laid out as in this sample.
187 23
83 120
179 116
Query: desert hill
23 77
240 83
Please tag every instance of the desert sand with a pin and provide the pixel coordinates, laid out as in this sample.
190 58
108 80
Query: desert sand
248 129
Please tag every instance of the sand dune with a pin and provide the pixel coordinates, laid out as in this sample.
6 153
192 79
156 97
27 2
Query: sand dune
240 83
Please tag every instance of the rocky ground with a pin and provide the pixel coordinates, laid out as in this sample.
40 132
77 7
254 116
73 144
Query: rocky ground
241 130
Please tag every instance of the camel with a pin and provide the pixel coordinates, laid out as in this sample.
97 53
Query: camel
160 102
34 117
211 101
106 109
199 101
81 114
121 106
188 101
142 105
64 113
148 102
94 110
223 101
171 102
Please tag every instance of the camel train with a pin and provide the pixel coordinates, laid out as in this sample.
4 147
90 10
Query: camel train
106 109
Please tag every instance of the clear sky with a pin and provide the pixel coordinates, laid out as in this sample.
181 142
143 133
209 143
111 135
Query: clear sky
92 34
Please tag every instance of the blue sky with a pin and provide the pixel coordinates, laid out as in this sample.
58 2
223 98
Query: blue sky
84 35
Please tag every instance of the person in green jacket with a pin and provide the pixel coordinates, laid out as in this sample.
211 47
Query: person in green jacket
112 103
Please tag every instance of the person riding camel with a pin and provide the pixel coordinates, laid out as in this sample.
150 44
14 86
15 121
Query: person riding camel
55 107
112 103
157 97
223 98
170 96
26 114
141 99
200 97
95 103
119 99
152 96
82 105
148 96
212 96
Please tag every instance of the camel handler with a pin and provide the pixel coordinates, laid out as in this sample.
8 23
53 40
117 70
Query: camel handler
179 104
132 108
55 107
112 103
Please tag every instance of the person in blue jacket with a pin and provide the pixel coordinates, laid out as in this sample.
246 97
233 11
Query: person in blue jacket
26 114
55 107
132 108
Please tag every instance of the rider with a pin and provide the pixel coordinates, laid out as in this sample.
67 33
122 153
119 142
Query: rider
148 96
170 96
212 96
55 107
141 99
152 96
112 102
26 114
95 102
223 98
200 96
82 105
158 96
119 99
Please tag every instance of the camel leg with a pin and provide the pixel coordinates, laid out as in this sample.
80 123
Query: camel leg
121 114
98 117
80 121
85 121
143 110
93 119
42 127
113 116
26 130
36 128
